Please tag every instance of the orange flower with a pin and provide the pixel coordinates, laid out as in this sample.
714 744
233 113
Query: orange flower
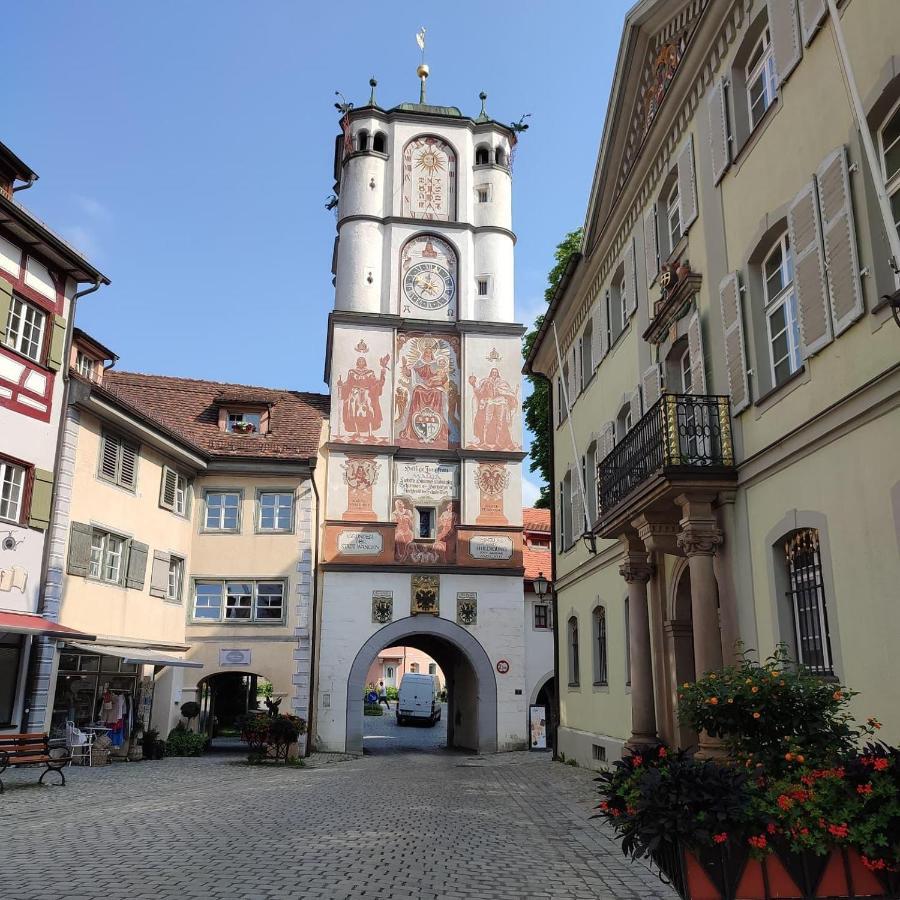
713 701
756 715
838 695
754 689
801 758
788 756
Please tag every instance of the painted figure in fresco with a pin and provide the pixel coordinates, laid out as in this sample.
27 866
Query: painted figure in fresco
428 405
445 523
496 405
360 397
403 533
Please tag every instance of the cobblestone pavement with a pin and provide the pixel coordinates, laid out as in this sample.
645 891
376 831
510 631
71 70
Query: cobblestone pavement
382 734
403 825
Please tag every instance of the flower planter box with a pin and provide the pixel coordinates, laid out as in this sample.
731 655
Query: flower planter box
728 873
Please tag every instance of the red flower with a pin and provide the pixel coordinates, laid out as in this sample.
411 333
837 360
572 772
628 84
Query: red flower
839 831
864 789
663 753
771 828
784 802
604 805
881 764
759 842
631 810
873 864
721 837
637 759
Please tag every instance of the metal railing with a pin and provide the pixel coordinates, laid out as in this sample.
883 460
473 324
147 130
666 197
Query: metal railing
680 431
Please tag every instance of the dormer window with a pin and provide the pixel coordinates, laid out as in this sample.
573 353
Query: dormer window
244 422
87 366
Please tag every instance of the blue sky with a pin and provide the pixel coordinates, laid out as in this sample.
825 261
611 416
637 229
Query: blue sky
186 148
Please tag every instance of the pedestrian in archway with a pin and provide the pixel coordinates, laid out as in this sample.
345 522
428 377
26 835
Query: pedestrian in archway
382 695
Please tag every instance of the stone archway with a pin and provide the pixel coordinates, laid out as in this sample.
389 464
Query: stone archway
440 631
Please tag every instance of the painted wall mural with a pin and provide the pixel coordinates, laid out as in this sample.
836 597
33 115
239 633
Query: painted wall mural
429 179
428 278
491 480
362 378
360 474
426 396
493 408
426 512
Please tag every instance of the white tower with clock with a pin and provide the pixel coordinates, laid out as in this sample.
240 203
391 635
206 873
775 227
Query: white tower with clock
422 543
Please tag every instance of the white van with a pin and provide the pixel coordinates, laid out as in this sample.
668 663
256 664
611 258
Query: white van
418 699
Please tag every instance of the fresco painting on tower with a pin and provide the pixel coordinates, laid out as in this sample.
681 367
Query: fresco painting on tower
362 376
493 404
428 278
426 511
426 396
429 179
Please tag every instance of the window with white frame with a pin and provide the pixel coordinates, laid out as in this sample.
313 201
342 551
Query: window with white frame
673 215
686 375
889 147
432 668
622 292
107 561
414 668
542 620
12 491
761 78
176 578
86 365
276 511
483 193
781 311
173 491
239 601
243 422
600 664
25 326
587 353
483 285
806 594
223 511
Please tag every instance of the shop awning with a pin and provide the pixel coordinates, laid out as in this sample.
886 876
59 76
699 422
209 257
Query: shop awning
139 655
31 623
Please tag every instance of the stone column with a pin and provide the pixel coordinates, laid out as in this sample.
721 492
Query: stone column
699 538
637 571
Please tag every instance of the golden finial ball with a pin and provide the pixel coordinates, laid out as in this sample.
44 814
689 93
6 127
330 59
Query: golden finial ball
423 70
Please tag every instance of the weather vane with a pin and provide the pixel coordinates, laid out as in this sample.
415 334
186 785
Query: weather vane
423 70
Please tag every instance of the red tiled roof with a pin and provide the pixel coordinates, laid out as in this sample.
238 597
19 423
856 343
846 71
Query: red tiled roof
536 560
536 519
188 408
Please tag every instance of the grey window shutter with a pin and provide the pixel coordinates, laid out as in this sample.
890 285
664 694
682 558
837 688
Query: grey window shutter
168 488
687 184
79 557
604 324
57 344
630 279
137 565
839 237
784 26
128 469
579 363
634 401
719 140
109 456
651 244
812 14
41 498
608 438
735 353
5 303
809 272
651 383
599 334
159 574
695 347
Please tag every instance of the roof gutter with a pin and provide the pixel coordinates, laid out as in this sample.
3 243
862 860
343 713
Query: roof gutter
558 295
29 183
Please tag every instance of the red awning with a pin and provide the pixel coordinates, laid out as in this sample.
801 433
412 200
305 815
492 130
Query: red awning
29 623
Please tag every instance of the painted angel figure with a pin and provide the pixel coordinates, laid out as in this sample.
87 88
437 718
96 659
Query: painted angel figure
496 405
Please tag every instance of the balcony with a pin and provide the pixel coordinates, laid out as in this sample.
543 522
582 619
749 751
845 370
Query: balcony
682 442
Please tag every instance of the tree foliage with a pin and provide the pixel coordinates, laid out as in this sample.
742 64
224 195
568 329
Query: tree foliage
537 405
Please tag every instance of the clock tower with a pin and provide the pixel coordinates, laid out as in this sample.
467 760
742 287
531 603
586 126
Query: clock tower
422 541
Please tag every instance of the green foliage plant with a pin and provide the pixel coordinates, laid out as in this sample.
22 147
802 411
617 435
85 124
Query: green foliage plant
182 742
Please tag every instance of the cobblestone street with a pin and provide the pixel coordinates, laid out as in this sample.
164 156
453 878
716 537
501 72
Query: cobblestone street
403 825
382 734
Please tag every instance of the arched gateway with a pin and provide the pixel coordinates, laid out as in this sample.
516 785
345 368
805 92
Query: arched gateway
471 680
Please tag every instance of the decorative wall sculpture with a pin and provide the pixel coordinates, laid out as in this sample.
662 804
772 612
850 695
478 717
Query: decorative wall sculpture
428 278
467 607
360 412
382 607
425 595
426 397
429 179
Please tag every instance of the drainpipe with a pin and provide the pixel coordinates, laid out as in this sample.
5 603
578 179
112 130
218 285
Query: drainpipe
313 685
859 114
28 184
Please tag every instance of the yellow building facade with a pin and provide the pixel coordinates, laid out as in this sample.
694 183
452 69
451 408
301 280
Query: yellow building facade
727 352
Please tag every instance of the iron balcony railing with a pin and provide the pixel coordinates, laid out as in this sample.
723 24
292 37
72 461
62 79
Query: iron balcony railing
679 433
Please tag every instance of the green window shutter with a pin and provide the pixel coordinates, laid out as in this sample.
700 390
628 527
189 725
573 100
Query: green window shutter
5 303
79 549
57 344
41 497
137 565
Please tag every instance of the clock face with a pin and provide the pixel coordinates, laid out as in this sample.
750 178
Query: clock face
428 285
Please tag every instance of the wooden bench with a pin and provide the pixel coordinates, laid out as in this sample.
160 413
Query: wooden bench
31 750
